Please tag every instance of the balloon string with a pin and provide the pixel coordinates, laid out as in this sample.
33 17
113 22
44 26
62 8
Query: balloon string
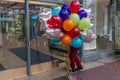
68 65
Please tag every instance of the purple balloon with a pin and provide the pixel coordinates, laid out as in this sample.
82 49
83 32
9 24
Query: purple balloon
66 7
63 30
82 14
64 14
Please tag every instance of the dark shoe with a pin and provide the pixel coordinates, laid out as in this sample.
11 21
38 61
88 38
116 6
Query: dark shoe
78 69
72 70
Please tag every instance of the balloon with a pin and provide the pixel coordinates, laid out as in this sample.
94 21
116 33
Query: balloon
53 33
75 18
45 14
61 34
56 21
89 11
55 41
64 14
89 37
43 25
74 6
49 23
87 30
76 42
74 33
43 17
66 40
63 30
81 37
66 7
68 25
84 23
82 13
55 11
91 26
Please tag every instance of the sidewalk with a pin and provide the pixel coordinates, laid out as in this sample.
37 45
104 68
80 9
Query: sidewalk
88 68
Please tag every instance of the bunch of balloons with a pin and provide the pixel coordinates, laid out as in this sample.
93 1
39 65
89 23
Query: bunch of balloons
71 20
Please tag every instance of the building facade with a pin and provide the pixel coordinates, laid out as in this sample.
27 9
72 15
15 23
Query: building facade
21 46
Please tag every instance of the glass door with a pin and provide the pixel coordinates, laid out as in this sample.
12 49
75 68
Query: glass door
114 11
45 55
117 33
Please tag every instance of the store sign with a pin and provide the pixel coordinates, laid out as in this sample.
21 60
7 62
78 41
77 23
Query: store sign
118 5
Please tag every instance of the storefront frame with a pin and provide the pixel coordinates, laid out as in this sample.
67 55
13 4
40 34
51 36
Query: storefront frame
28 37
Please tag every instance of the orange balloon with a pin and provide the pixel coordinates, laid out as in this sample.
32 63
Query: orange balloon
66 39
68 25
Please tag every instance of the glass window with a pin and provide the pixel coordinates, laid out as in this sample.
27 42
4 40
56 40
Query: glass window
117 33
101 18
12 37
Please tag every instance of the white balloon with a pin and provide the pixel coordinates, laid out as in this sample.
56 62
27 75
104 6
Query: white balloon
91 26
43 25
43 17
89 11
89 37
54 33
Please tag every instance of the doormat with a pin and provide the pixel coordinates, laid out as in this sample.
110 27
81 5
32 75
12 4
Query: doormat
1 67
36 56
109 71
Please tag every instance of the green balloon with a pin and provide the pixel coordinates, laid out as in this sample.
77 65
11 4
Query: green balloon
84 23
75 18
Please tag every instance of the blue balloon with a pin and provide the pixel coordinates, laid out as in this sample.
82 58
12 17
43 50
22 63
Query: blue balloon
82 13
81 37
35 17
55 11
64 14
76 42
66 7
55 41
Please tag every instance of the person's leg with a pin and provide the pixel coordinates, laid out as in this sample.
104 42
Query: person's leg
78 62
72 61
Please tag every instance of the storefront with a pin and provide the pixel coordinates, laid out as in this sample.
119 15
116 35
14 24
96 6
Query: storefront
117 30
103 17
26 45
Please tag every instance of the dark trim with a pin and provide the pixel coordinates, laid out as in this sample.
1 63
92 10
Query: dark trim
28 37
110 3
12 5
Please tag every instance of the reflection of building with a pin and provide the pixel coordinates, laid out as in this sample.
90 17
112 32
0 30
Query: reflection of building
103 16
44 53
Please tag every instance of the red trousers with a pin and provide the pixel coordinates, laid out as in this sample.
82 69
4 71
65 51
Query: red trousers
74 58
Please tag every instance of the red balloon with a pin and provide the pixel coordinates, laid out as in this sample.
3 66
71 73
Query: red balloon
50 26
56 21
49 23
74 33
75 6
